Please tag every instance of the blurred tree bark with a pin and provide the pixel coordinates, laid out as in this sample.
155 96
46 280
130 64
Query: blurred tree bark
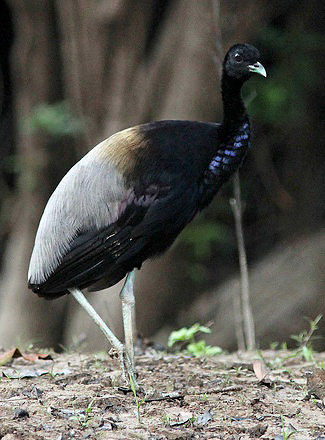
24 317
118 63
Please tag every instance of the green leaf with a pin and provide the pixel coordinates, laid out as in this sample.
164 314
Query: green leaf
55 119
186 334
200 348
200 236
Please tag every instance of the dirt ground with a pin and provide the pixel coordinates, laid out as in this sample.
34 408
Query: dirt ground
79 396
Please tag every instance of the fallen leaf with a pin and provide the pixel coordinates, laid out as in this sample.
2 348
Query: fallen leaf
182 417
259 370
21 372
36 356
9 355
204 418
16 353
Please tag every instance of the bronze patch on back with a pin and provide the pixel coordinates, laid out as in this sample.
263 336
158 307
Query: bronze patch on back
119 148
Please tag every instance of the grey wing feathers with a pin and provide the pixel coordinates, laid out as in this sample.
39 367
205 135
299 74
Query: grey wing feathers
88 197
98 258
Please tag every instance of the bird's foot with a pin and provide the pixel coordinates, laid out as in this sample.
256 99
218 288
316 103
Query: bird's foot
128 372
126 359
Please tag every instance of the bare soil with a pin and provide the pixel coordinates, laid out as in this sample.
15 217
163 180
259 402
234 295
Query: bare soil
79 396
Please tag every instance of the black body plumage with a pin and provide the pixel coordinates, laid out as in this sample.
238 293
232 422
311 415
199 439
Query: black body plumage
163 173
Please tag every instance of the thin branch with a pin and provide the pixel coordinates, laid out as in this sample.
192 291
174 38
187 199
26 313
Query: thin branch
240 338
248 320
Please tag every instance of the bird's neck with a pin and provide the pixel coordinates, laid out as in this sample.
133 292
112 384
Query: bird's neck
233 142
233 105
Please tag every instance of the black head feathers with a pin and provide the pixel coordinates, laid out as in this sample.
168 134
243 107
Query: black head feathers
241 61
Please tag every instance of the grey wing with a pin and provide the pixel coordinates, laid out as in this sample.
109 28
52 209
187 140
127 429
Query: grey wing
146 223
89 197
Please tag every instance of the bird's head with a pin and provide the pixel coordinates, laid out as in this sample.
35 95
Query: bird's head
241 61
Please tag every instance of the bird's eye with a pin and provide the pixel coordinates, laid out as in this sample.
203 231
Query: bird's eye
238 58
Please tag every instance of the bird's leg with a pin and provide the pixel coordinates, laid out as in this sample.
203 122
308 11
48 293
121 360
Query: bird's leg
128 314
126 363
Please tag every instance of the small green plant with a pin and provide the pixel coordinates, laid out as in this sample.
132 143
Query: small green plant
192 421
305 349
84 417
200 348
305 339
89 410
274 345
184 338
166 420
239 370
186 334
284 346
137 400
286 432
277 346
225 380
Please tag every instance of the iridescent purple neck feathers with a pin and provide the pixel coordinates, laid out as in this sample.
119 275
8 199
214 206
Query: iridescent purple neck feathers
229 156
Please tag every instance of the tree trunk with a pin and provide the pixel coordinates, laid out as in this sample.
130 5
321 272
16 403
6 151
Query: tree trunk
23 317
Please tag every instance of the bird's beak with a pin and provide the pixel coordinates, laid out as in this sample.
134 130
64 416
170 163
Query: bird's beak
257 68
